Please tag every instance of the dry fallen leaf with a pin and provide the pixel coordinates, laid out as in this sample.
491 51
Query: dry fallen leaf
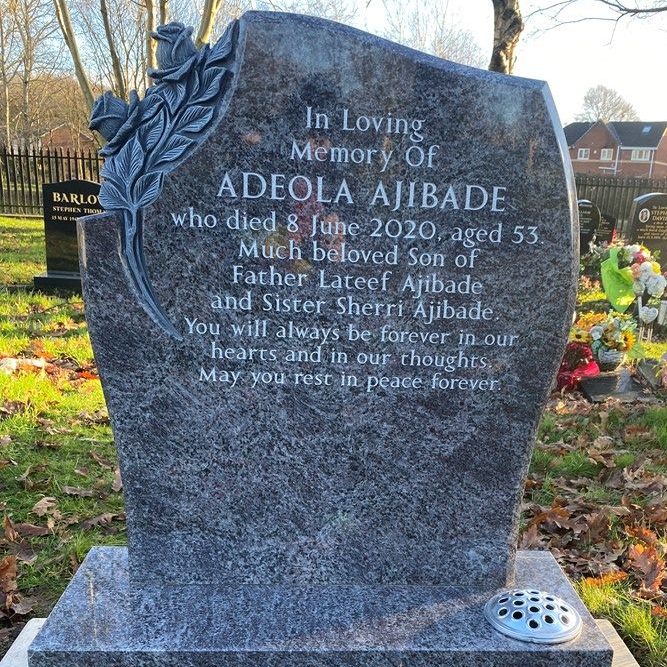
10 533
78 491
8 574
44 506
117 484
30 530
647 562
101 520
102 462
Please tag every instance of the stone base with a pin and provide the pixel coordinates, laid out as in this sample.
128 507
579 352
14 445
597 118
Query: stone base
99 622
58 280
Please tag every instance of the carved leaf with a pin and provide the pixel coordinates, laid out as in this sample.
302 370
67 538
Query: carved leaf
195 119
223 47
108 173
174 149
110 197
173 94
151 105
152 132
129 161
147 189
210 84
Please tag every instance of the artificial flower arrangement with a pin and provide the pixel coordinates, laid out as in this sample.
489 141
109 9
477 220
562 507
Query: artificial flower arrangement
577 363
610 336
632 272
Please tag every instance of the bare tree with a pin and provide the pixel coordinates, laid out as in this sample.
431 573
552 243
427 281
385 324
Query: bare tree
65 22
563 12
113 46
343 11
10 60
507 28
606 104
424 26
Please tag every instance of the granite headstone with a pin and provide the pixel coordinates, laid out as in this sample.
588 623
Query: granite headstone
648 223
308 304
64 203
607 229
589 222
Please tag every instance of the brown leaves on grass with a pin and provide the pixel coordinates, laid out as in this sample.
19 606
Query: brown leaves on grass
609 524
649 565
12 604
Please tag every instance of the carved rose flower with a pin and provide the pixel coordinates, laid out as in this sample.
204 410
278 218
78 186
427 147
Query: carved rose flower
176 52
115 120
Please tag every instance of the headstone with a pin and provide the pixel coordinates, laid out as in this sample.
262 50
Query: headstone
648 223
607 229
64 203
589 222
308 307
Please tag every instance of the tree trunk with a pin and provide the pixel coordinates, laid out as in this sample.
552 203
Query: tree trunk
65 22
151 44
5 87
121 88
508 26
209 13
164 12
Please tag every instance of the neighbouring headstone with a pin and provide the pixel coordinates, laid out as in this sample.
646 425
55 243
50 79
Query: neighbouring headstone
308 305
648 223
589 222
607 228
64 203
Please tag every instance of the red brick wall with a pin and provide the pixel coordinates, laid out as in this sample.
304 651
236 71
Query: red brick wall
599 137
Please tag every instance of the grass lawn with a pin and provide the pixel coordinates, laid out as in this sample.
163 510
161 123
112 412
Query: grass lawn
596 494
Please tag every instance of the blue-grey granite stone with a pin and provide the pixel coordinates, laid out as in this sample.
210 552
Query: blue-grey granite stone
292 483
102 622
359 503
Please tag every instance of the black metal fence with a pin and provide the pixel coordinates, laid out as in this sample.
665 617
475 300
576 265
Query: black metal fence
23 170
614 196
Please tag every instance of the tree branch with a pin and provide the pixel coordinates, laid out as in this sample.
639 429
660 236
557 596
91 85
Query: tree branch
65 22
121 88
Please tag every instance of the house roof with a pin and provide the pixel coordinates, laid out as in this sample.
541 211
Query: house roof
639 134
574 132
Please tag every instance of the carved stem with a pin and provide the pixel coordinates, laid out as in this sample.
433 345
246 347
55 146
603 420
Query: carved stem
135 267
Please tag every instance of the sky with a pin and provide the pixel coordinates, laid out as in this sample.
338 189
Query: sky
630 58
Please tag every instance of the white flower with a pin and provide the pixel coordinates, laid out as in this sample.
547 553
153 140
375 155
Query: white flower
638 287
656 285
633 249
596 332
646 270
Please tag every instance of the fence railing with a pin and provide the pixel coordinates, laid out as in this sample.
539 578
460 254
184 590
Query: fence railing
614 196
22 172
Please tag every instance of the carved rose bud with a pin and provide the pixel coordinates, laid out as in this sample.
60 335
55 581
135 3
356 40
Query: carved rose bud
175 51
108 115
115 120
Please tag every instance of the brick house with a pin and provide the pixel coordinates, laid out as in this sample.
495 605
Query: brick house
66 136
637 148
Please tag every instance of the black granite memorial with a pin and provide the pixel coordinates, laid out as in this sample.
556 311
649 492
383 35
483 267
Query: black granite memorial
64 203
308 305
607 228
648 223
589 222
